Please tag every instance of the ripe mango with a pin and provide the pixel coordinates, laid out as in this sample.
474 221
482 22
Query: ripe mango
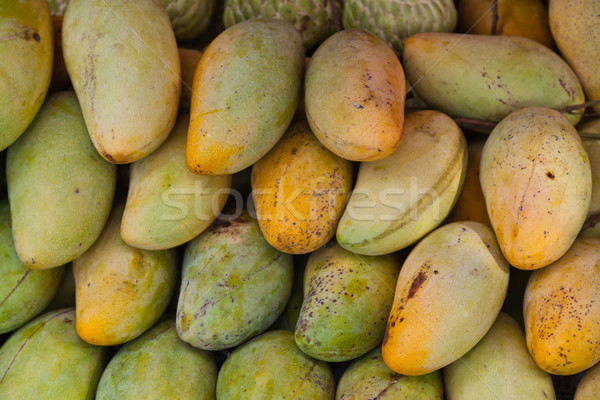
449 292
536 179
244 95
589 385
399 199
123 61
354 95
60 190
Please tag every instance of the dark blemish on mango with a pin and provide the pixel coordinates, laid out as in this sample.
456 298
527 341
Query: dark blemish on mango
357 106
36 37
77 191
417 283
550 175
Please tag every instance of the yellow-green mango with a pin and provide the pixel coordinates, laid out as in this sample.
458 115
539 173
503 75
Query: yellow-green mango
537 182
401 198
120 291
487 77
299 190
167 204
271 366
354 95
158 365
24 292
590 133
589 385
289 316
499 367
26 57
65 293
189 59
234 285
369 378
347 299
244 95
561 309
449 293
46 359
123 61
60 190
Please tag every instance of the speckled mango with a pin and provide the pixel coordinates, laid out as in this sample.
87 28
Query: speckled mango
168 205
60 190
26 57
347 299
589 385
120 291
299 190
234 285
536 179
244 95
271 366
369 378
123 62
561 309
354 95
487 77
159 366
47 359
498 367
409 194
449 293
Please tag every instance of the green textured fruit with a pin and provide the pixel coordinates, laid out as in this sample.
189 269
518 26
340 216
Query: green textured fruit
314 16
189 18
395 20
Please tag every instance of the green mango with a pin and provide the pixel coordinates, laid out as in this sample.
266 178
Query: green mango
234 285
289 317
158 365
26 58
46 359
271 366
60 190
347 299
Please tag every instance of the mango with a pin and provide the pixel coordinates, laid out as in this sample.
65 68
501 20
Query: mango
487 77
354 95
168 205
561 309
271 366
65 293
399 199
347 299
60 190
244 95
589 385
60 77
189 59
299 190
46 359
234 285
450 290
157 365
498 367
120 291
26 57
536 179
24 292
289 316
590 133
123 61
369 378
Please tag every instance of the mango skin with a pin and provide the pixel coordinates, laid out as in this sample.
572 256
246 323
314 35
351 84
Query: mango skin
26 57
168 205
159 366
369 378
24 292
487 77
120 291
60 190
47 356
498 367
123 61
299 190
271 366
244 95
537 182
561 310
410 195
449 292
234 285
289 316
347 299
589 385
354 95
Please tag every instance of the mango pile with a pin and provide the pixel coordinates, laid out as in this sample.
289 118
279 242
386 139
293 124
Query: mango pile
299 199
